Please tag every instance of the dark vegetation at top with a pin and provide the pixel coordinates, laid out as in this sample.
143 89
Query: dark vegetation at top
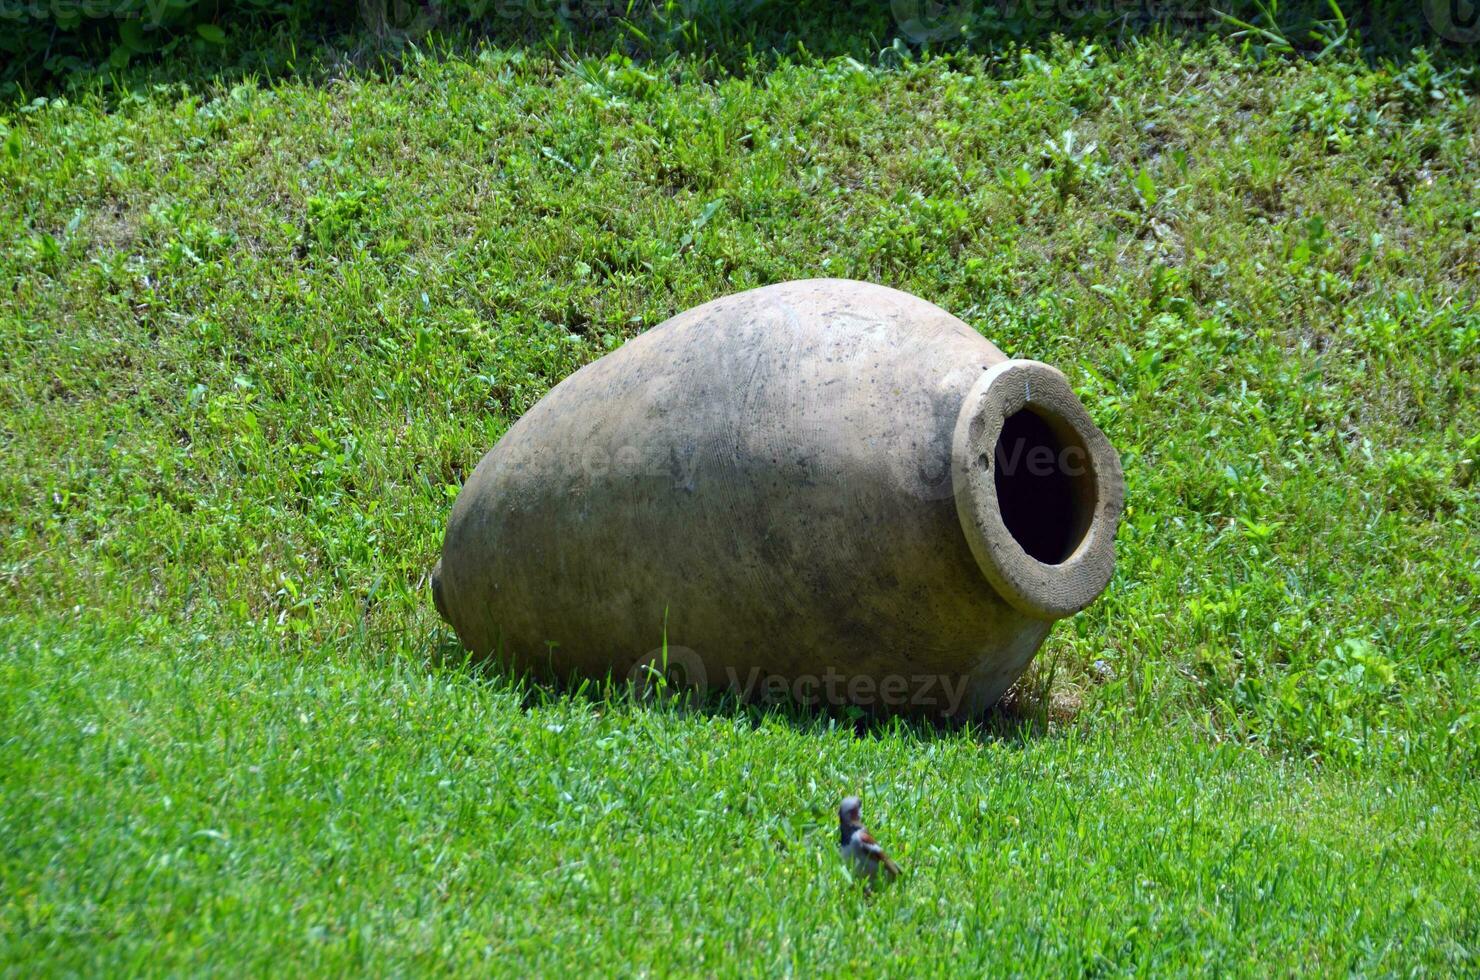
55 46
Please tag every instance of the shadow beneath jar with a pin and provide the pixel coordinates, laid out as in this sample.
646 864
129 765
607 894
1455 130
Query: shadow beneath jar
1030 711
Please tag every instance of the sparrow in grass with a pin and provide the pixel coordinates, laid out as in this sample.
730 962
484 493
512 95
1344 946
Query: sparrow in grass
857 845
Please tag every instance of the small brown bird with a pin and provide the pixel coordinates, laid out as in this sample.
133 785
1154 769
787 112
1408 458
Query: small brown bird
857 845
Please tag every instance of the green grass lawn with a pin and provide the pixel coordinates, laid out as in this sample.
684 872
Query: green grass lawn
253 336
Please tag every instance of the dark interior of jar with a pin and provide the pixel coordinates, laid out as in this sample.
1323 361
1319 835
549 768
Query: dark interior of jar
1045 485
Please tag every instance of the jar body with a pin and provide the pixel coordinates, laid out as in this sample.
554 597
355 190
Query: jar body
771 488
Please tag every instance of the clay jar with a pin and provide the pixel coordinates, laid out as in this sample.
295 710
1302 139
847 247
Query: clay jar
826 490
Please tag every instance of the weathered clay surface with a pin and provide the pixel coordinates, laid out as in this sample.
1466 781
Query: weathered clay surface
827 486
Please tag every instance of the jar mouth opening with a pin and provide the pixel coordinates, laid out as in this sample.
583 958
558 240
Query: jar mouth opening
1038 489
1045 483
